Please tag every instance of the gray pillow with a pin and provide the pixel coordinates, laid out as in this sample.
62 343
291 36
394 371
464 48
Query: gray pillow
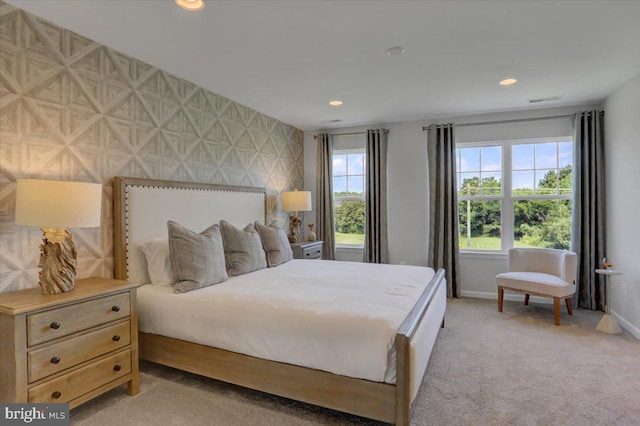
197 259
275 244
243 251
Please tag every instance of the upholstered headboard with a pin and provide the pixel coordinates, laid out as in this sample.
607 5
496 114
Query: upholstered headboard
142 208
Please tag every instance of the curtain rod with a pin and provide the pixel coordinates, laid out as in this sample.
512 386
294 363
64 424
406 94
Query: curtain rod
515 120
386 132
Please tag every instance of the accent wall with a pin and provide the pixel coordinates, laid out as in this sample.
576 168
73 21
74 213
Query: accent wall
73 109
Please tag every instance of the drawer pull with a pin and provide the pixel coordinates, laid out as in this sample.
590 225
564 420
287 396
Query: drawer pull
117 367
56 395
115 308
116 338
55 360
55 325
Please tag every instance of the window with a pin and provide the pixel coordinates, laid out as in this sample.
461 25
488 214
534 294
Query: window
348 196
515 194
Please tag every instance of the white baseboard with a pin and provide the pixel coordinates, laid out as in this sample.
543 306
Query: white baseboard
512 297
626 325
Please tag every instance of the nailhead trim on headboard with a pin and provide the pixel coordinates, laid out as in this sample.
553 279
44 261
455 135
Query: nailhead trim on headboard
122 185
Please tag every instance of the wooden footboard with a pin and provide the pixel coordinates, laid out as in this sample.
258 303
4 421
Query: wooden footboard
361 397
138 218
404 337
380 401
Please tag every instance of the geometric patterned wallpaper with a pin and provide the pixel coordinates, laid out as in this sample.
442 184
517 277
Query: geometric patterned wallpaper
73 109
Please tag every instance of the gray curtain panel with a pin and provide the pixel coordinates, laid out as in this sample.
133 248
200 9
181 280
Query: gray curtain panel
324 196
443 205
588 233
376 246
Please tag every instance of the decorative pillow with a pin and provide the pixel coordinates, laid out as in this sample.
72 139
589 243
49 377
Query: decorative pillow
275 243
243 251
156 252
197 259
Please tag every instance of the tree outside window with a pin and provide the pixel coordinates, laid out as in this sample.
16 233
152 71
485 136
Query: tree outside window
348 197
515 194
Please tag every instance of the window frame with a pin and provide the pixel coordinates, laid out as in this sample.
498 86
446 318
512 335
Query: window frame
348 151
507 198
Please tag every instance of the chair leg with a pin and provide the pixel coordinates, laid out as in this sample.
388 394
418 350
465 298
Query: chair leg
556 310
569 307
500 298
526 299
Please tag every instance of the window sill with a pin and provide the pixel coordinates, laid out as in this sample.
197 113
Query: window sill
349 248
489 255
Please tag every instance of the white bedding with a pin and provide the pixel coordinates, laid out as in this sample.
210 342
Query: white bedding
339 317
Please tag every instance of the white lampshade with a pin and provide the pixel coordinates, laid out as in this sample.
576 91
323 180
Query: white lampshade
57 204
296 201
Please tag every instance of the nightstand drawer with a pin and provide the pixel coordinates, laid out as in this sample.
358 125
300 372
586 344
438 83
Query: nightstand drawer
83 380
307 250
59 322
64 347
312 252
60 356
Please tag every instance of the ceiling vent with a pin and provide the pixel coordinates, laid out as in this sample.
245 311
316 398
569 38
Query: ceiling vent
547 99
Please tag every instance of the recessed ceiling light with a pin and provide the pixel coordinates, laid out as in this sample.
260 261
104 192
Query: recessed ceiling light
191 5
508 82
335 103
396 51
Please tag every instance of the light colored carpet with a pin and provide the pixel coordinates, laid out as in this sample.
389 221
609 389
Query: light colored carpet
487 368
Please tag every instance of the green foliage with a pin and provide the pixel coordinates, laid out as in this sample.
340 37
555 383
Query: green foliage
484 218
481 243
349 217
547 184
537 223
488 186
347 194
487 243
545 223
349 238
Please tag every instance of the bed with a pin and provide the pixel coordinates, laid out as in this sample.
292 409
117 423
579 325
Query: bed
380 384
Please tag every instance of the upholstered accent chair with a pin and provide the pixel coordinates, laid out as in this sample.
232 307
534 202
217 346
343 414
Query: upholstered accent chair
540 272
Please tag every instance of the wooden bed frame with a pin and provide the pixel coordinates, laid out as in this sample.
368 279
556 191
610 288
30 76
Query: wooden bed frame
380 401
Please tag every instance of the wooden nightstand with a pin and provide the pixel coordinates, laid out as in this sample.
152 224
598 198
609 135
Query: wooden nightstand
68 347
307 250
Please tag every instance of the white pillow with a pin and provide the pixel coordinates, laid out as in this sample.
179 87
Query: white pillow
158 262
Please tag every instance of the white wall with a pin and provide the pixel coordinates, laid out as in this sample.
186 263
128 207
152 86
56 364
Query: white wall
622 174
408 188
310 149
478 271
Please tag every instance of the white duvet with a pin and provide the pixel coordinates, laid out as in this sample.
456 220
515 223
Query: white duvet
339 317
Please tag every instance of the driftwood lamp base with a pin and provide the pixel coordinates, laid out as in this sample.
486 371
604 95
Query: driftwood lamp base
58 261
294 228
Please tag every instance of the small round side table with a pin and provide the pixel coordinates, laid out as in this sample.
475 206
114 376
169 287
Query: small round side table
608 323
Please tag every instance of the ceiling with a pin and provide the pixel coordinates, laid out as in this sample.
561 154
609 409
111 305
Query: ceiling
288 59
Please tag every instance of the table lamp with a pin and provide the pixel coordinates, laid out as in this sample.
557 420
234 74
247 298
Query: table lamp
295 201
53 206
